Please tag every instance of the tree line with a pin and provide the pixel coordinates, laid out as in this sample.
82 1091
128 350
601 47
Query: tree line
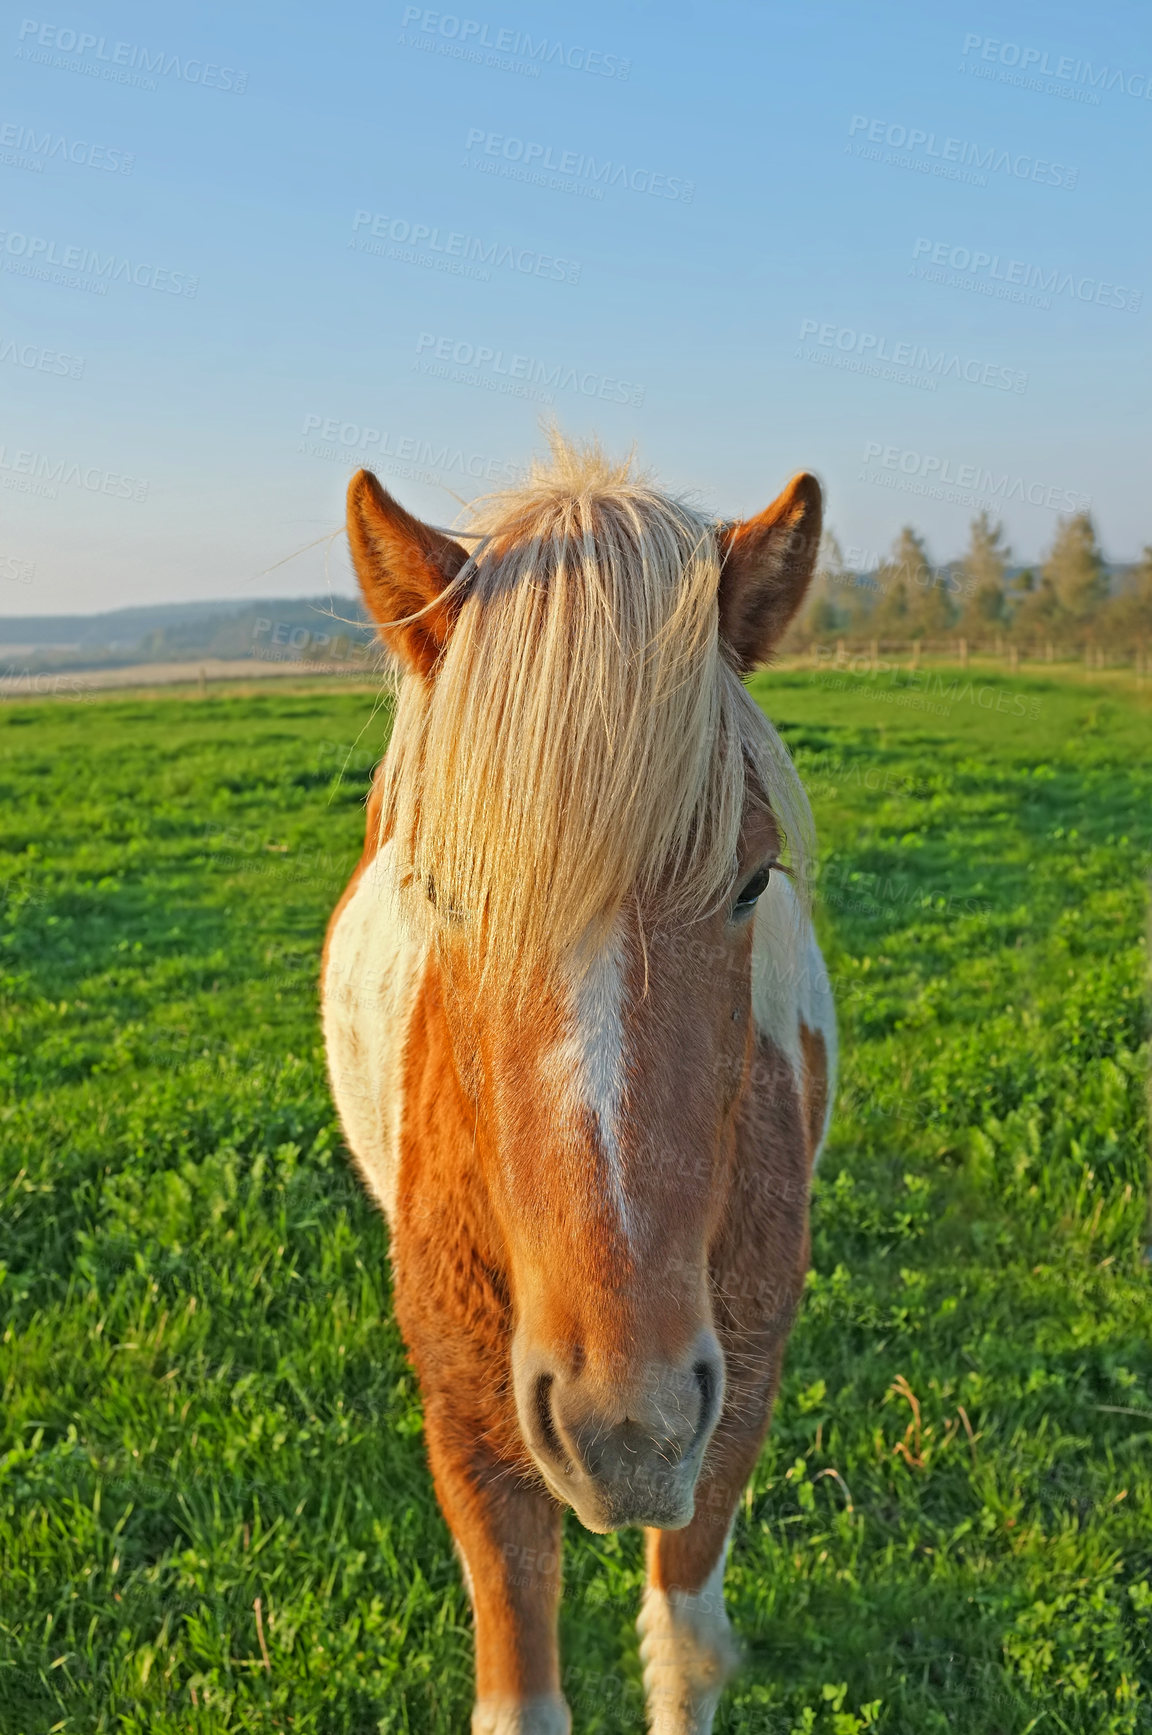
1069 600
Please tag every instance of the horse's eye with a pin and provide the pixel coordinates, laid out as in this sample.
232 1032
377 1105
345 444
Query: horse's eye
445 911
752 890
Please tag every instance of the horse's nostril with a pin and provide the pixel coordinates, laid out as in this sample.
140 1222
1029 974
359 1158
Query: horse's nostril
549 1438
705 1375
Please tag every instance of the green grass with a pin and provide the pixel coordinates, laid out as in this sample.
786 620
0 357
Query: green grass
204 1397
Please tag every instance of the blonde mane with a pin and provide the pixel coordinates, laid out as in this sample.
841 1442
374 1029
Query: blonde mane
585 740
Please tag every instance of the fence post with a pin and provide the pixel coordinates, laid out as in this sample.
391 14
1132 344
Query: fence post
963 653
875 649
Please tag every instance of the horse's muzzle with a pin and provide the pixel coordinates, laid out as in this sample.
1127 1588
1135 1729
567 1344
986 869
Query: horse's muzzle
622 1451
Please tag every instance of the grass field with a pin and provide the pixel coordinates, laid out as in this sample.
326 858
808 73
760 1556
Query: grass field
214 1510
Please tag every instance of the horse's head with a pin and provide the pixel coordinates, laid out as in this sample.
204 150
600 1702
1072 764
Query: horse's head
585 805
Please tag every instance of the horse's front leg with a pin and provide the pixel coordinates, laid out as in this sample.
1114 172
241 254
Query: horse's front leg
508 1536
687 1645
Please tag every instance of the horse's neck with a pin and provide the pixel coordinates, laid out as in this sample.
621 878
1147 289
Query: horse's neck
792 1000
373 974
784 959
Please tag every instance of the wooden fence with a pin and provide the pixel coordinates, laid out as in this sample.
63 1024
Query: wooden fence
1090 657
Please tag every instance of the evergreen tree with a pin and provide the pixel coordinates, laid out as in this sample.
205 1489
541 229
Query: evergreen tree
1127 618
910 559
1037 615
915 602
889 618
864 595
907 598
932 612
1075 569
984 569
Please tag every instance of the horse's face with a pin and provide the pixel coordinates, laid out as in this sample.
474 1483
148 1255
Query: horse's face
611 1118
605 1098
605 1086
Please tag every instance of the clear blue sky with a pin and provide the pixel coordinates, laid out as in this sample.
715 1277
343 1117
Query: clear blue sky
835 154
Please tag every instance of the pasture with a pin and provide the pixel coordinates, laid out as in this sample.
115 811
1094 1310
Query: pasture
214 1511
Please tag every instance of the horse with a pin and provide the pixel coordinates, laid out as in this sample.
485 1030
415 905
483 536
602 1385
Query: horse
581 1039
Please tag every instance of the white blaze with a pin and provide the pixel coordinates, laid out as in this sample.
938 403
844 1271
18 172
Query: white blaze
588 1064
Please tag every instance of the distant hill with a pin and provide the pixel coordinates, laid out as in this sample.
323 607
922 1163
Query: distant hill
180 632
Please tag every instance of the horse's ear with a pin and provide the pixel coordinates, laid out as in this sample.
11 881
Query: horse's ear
767 565
404 568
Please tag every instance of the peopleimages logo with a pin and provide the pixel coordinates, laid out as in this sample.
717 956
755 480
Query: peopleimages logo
986 159
924 363
1035 64
34 473
917 689
24 148
527 159
36 256
965 484
343 442
863 565
16 570
120 62
1018 274
38 359
468 35
451 250
497 370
